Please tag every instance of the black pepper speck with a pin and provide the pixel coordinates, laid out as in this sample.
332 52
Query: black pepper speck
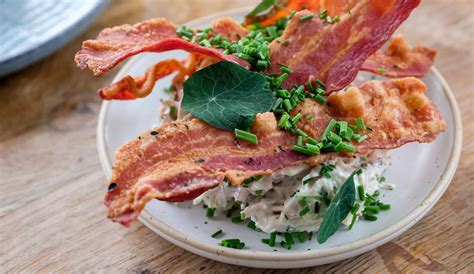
112 186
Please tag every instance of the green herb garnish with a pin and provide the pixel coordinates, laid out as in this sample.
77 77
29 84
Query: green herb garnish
263 6
217 234
233 243
226 95
210 212
246 136
340 206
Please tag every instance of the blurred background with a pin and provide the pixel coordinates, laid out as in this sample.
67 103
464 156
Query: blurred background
51 181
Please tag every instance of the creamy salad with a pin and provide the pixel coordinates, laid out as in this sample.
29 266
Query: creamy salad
295 198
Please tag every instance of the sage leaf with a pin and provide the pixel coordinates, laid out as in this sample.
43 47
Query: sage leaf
338 209
226 96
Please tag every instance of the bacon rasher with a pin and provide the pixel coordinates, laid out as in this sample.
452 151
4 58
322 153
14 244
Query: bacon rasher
114 45
180 160
398 60
334 53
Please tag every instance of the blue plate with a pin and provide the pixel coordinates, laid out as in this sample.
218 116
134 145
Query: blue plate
32 29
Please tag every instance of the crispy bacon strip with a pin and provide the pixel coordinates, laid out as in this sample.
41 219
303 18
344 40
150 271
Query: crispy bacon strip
130 87
398 60
334 53
113 45
181 160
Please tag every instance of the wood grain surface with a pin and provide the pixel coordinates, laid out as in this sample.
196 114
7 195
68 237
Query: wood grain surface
52 216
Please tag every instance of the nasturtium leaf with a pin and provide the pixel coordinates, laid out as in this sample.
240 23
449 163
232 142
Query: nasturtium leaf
338 209
226 96
263 6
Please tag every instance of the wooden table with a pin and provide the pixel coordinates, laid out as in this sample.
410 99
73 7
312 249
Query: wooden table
52 185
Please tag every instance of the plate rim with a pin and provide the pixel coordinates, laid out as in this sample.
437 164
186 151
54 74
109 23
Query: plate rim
359 246
31 55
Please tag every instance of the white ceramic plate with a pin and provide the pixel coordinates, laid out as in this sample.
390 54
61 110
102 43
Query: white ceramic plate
421 172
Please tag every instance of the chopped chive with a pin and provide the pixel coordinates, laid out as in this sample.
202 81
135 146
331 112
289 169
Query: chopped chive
369 217
340 146
217 233
301 236
277 103
373 209
302 202
360 123
283 93
299 141
320 83
285 245
233 243
301 132
289 238
333 137
349 147
336 19
384 206
320 99
210 212
287 104
237 219
304 211
286 70
263 63
349 134
323 14
286 42
310 85
292 14
313 148
342 128
311 140
354 215
252 225
246 136
320 91
381 179
355 209
283 77
283 120
329 19
272 239
272 31
206 43
329 127
266 241
360 191
296 118
361 138
258 192
306 17
304 150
